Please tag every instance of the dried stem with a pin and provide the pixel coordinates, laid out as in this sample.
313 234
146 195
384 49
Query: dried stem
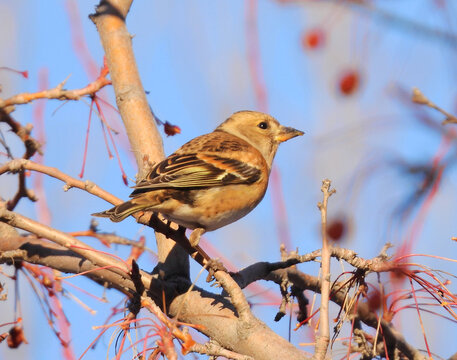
112 238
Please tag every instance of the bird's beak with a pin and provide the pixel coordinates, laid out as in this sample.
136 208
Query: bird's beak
287 133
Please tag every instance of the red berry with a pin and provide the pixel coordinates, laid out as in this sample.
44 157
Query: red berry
374 299
313 39
171 129
336 229
16 337
349 82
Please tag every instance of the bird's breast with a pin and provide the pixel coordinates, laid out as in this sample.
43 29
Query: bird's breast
215 207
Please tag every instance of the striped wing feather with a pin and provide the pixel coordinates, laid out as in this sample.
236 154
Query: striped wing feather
197 171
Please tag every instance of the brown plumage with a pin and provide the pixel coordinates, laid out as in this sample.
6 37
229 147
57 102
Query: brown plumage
214 179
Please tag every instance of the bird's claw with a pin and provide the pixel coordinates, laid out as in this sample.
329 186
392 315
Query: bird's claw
214 265
195 236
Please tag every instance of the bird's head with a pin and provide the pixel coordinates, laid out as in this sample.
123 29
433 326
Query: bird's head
260 130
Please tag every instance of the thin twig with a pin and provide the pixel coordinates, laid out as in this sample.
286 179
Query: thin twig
323 339
70 182
211 348
32 146
58 92
419 98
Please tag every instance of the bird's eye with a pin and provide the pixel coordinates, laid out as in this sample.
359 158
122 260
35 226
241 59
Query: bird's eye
263 125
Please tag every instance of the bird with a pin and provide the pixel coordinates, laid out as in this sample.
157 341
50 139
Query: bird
214 179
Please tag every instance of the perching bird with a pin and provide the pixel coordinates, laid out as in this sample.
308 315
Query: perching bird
214 179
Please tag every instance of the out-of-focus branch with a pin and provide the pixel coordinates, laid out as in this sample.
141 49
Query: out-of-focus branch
23 132
418 28
419 98
144 137
58 93
393 20
111 238
31 145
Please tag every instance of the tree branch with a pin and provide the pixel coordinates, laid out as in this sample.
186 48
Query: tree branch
211 348
58 93
41 252
215 315
323 339
393 338
18 165
18 221
134 109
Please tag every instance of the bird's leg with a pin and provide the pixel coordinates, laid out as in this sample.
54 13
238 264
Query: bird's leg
194 237
181 229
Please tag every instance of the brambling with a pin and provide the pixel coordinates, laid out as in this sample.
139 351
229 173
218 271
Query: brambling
214 179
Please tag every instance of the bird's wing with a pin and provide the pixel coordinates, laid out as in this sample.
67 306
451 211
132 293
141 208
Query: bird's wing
181 171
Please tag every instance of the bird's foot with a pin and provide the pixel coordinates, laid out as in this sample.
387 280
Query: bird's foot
214 265
195 236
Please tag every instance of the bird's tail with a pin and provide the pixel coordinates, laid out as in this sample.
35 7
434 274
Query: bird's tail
120 212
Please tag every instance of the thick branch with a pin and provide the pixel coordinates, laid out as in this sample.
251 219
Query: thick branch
131 101
214 314
63 239
236 295
261 270
130 96
42 252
